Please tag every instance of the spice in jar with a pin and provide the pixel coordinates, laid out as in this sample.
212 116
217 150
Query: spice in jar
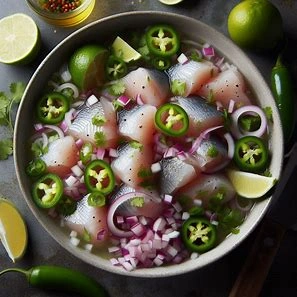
60 6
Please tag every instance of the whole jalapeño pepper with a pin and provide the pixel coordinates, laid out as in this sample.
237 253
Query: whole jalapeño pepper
61 278
282 89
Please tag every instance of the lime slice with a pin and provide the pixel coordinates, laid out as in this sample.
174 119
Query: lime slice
250 185
124 51
20 40
13 231
170 2
87 66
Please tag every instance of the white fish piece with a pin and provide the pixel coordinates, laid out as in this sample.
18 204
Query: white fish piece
152 86
132 166
211 155
61 156
205 188
137 123
227 85
194 74
175 174
89 220
202 115
83 128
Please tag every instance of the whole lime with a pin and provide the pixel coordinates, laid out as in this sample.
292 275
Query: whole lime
255 24
87 66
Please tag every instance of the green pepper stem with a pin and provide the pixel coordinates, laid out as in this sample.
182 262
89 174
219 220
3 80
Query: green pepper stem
279 62
22 271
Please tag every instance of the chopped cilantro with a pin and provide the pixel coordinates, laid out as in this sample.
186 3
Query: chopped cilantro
98 120
178 87
87 236
145 172
195 57
100 138
136 145
118 88
137 202
6 148
268 112
212 152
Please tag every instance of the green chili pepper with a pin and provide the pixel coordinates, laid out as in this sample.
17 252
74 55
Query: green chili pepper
282 89
96 199
198 234
115 68
52 107
162 40
99 177
36 168
61 278
172 120
47 190
161 63
251 154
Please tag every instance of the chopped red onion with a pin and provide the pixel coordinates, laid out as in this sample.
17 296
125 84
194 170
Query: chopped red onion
231 106
76 170
208 51
123 100
235 129
182 58
170 152
185 215
131 220
38 127
101 234
100 153
79 143
114 261
113 153
70 181
91 100
194 256
73 234
138 229
159 224
168 198
156 167
74 241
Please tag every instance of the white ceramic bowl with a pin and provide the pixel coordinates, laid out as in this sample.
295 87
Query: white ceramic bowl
98 30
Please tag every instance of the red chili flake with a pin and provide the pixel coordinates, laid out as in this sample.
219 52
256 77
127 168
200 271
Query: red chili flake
60 6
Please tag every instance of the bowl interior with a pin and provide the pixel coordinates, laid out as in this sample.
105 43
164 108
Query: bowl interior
99 31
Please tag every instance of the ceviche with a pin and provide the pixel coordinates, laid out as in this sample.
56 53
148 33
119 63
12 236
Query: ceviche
135 142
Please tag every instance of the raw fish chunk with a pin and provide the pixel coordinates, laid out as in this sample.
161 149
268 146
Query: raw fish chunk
194 74
211 155
61 156
152 85
138 123
227 85
206 188
201 114
175 174
133 164
89 221
106 130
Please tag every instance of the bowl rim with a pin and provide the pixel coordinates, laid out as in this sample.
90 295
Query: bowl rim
218 252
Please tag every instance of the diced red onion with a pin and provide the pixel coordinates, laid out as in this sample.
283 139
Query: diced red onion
70 181
182 155
88 247
194 256
231 145
168 198
219 105
38 127
76 170
156 167
185 215
123 100
208 51
101 234
170 152
91 100
79 143
182 58
74 241
231 106
114 261
235 129
131 220
138 229
159 224
69 85
100 153
113 153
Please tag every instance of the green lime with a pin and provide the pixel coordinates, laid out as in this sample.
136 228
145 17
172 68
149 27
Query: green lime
170 2
87 66
20 39
255 24
124 51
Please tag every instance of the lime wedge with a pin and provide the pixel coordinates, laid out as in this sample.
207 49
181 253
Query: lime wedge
250 185
20 40
124 51
13 231
170 2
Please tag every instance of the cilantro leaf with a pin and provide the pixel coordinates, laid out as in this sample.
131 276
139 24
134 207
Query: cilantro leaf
6 148
17 90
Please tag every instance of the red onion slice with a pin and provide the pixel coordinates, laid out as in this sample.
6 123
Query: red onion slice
235 129
115 205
